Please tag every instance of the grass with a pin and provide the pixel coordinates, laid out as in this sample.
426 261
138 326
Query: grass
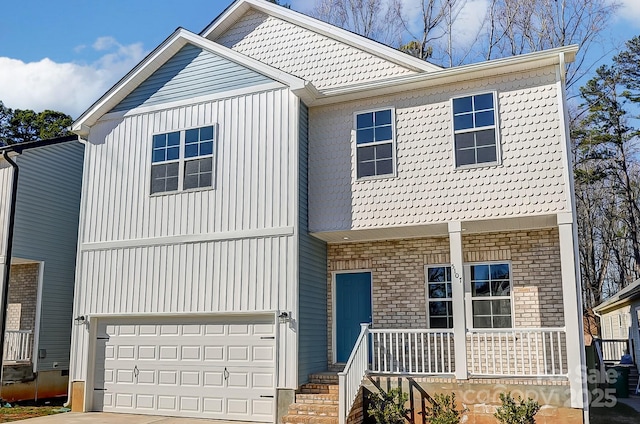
18 413
30 410
619 414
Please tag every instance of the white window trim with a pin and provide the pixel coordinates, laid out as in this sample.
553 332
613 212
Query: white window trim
426 289
393 144
469 299
496 127
182 160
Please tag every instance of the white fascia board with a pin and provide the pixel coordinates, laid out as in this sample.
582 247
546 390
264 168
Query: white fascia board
450 75
237 9
159 57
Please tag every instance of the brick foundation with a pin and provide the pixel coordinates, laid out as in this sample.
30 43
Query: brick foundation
23 297
481 396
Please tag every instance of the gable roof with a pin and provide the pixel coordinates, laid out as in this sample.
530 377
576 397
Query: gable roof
160 56
624 296
236 10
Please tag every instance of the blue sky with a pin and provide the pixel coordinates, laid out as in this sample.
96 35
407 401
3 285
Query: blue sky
63 55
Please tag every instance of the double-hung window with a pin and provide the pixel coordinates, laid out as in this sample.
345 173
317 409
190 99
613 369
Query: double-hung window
375 134
491 295
182 160
474 127
439 302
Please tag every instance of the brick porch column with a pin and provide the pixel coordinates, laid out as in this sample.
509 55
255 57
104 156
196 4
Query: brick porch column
457 294
572 302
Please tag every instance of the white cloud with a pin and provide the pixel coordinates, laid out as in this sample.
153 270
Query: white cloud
469 22
630 11
66 87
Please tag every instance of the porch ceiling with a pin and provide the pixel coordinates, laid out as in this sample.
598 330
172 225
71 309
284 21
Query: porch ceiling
438 229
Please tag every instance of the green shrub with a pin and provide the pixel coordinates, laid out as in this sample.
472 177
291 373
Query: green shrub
388 408
513 413
443 409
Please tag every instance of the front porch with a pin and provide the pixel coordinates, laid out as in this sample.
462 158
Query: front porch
461 312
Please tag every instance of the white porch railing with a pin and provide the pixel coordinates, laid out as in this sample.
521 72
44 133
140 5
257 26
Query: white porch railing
412 351
527 352
530 352
18 345
354 371
613 349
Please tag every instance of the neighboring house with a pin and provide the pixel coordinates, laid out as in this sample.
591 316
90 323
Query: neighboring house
253 193
42 266
620 323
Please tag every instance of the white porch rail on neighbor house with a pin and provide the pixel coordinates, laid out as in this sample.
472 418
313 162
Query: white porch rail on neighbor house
613 349
354 371
412 351
527 352
18 345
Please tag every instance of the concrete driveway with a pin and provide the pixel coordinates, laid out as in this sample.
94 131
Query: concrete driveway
106 418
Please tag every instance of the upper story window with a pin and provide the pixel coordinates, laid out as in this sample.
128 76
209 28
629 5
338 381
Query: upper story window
491 295
375 137
182 160
474 127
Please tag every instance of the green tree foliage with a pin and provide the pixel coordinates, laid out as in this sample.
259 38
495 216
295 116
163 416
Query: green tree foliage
389 407
511 412
443 410
607 170
287 5
24 125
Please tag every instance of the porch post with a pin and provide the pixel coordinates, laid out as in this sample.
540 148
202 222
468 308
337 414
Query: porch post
572 302
457 294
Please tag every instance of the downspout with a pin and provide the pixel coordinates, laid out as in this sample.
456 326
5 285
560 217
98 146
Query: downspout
8 253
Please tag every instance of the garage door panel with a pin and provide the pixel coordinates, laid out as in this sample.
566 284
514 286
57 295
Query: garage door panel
213 405
148 353
213 379
190 368
145 402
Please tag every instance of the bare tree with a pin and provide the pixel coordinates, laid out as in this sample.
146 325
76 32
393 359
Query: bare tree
515 27
435 19
375 19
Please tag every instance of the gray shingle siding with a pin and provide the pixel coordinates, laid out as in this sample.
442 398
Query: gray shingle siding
192 72
46 229
312 347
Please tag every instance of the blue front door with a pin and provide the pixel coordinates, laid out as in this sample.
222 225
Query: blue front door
353 307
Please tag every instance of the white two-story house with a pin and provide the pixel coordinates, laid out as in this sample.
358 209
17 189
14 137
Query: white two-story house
255 193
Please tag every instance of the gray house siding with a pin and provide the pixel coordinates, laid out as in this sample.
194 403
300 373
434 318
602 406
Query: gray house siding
312 347
46 229
190 73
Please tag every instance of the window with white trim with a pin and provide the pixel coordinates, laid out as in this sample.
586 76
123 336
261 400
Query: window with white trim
491 295
474 128
439 302
182 160
375 135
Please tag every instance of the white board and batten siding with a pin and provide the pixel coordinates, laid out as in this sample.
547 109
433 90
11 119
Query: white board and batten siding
428 189
210 253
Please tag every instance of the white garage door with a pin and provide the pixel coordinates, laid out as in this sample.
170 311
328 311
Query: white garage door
203 368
